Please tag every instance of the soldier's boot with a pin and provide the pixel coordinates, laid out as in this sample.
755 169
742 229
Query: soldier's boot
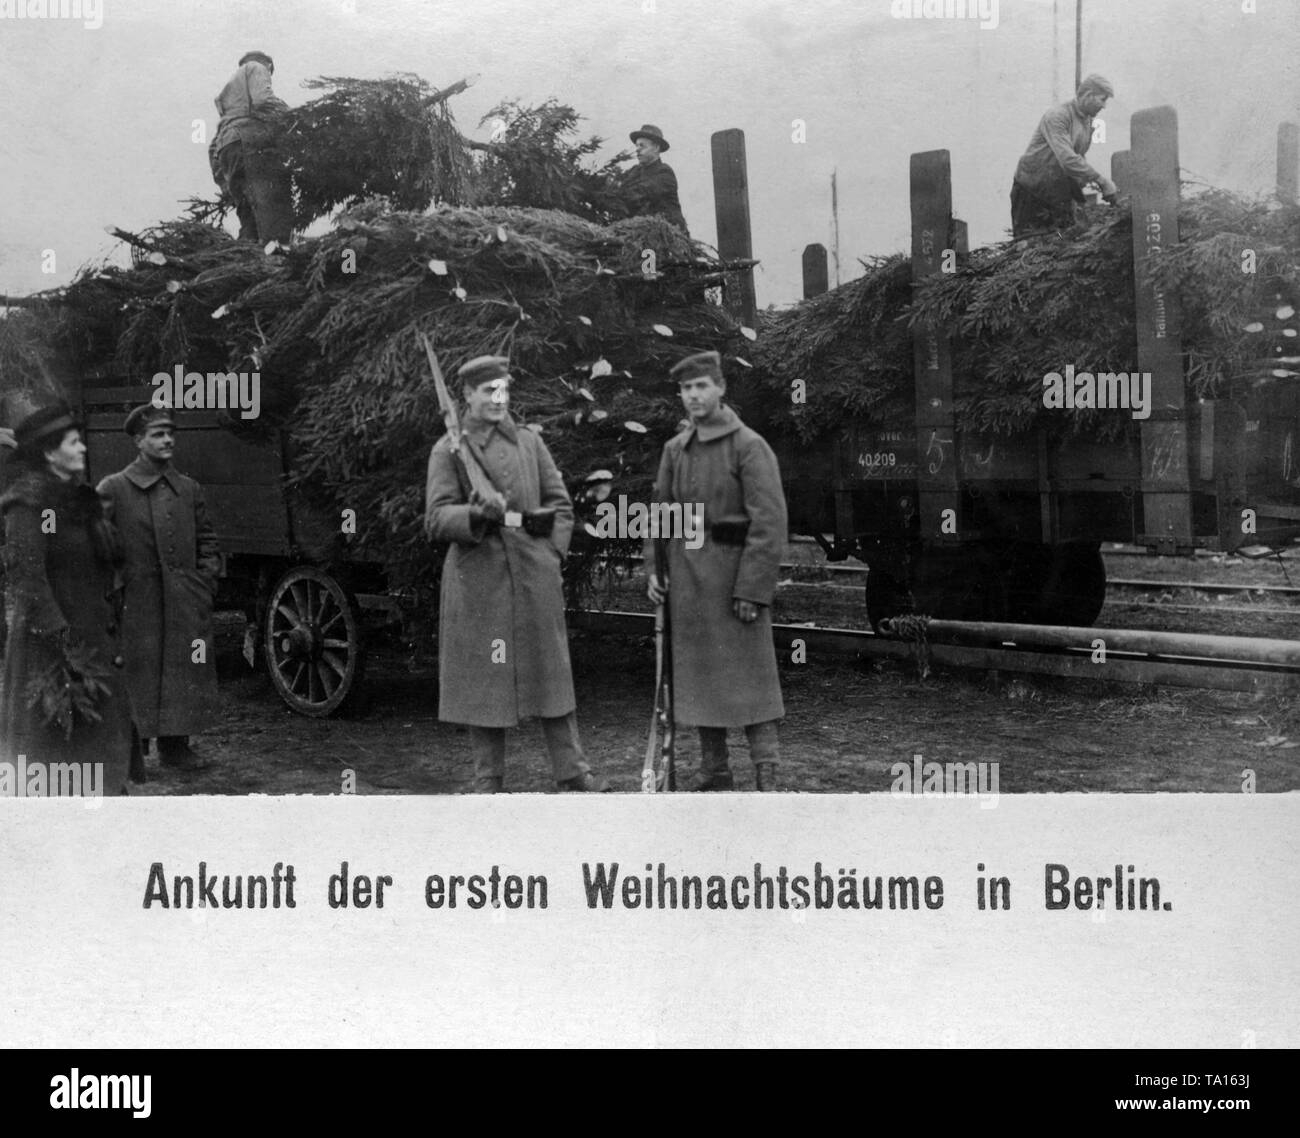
489 785
765 750
714 773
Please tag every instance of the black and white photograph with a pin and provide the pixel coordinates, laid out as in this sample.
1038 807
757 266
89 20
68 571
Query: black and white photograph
838 458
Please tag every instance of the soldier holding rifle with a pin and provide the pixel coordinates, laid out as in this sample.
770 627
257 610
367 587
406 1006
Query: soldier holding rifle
720 595
494 492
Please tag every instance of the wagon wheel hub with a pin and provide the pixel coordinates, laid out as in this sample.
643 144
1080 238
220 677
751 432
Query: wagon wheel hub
302 643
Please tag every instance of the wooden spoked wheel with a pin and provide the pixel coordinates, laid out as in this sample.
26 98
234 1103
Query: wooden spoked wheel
312 642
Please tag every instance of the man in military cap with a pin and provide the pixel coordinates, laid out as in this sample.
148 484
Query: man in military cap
503 650
172 566
650 187
246 154
1053 171
720 594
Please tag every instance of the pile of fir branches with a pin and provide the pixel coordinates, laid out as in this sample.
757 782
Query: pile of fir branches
334 330
1020 309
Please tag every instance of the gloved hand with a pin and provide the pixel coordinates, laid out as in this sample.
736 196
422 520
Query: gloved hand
1109 191
483 509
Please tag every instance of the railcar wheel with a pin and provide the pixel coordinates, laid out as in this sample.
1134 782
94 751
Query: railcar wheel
312 642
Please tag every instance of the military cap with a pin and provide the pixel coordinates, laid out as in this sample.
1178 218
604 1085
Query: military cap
705 363
146 416
653 133
256 56
48 422
484 369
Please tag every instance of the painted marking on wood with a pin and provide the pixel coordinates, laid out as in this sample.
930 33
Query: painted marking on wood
932 231
1166 500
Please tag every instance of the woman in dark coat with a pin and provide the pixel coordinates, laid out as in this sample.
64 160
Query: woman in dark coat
60 556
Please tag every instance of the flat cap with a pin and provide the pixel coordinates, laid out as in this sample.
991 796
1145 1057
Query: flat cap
484 369
146 416
1098 83
705 363
256 57
45 423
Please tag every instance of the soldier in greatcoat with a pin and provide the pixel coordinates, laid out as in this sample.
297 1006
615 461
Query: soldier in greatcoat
503 651
172 568
720 594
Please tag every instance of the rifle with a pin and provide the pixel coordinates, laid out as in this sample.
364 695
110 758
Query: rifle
660 744
479 480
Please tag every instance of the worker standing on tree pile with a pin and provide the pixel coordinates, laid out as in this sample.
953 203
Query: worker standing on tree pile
503 650
720 591
650 187
246 156
173 563
1052 172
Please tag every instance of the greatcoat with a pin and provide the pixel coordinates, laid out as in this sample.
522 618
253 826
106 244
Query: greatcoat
724 671
172 567
60 556
503 651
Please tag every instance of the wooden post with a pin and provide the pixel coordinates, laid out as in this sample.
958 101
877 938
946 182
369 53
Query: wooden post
932 228
1121 170
1166 497
816 274
731 203
1288 163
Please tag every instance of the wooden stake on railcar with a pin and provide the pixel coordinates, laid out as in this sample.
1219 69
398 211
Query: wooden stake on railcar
1166 491
1288 163
1121 170
731 204
932 232
816 271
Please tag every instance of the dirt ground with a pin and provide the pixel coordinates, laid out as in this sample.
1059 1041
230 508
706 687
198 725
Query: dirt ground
845 724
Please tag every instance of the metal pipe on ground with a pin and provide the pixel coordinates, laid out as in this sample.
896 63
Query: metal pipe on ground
1240 649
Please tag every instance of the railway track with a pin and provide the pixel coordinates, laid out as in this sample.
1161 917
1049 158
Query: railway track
1111 582
1129 656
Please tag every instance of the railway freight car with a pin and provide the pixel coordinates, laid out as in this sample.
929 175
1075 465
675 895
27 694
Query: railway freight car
964 524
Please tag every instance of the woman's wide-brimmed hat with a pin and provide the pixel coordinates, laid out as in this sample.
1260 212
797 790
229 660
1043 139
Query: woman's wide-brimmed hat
45 423
653 133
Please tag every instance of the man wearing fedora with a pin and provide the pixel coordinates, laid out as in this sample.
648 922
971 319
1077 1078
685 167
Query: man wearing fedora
246 154
503 650
172 567
650 187
720 593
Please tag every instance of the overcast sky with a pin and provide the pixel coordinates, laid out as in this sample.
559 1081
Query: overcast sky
96 123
